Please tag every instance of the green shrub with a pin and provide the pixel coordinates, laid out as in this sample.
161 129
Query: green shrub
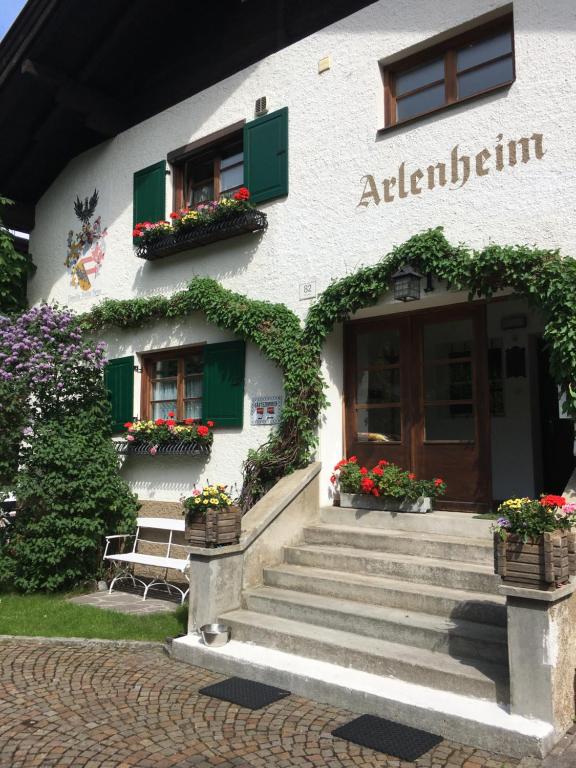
70 495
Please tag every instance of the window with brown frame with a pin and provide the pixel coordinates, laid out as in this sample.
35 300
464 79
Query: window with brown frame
459 69
173 382
208 169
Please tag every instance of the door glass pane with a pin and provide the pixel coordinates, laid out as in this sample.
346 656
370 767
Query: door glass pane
450 422
423 101
378 348
452 381
446 341
378 425
488 76
419 76
164 390
164 368
160 410
484 50
378 386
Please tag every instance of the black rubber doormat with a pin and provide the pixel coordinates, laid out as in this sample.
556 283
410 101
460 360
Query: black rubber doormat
390 738
246 693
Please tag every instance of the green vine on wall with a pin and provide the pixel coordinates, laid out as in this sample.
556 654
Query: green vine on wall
543 276
276 331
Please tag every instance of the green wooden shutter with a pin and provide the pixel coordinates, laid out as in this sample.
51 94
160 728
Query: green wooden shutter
266 156
119 381
150 193
223 400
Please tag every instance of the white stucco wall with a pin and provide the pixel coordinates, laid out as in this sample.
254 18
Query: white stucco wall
319 231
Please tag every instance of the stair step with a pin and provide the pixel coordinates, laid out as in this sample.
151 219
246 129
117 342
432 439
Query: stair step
476 577
457 638
419 543
380 590
463 524
478 678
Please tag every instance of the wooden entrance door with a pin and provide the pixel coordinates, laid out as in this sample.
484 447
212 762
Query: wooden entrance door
417 394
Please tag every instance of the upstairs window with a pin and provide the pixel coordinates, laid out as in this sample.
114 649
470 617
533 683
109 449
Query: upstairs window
466 66
212 174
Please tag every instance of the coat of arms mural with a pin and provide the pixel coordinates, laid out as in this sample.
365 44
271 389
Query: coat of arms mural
87 247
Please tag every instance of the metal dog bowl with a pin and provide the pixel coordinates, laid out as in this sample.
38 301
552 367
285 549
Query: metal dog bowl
215 635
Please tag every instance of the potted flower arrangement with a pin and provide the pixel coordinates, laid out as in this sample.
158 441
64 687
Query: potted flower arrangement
386 486
534 545
205 223
211 518
169 436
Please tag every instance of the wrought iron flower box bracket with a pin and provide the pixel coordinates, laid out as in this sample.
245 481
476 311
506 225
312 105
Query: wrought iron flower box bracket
124 448
204 234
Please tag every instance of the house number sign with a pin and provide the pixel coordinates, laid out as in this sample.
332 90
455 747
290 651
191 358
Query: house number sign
265 410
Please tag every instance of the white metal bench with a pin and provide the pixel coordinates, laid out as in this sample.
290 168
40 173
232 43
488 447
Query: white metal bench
165 562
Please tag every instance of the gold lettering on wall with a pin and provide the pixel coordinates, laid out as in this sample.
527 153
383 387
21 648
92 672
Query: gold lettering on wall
459 170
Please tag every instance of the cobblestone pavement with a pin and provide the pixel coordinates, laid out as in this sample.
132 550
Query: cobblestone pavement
108 707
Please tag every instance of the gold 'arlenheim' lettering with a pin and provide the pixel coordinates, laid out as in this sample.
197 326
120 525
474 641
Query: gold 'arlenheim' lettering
456 172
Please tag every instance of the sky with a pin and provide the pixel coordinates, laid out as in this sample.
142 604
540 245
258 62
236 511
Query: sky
9 9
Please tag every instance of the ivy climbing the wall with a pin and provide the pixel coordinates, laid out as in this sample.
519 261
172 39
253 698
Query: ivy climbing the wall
543 276
277 332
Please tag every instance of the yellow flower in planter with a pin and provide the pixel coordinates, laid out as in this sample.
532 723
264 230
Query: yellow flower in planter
213 501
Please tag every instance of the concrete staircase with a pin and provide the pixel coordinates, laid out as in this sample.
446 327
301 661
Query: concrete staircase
403 596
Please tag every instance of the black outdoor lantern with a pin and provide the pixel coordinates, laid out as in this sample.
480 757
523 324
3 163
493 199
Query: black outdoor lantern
406 282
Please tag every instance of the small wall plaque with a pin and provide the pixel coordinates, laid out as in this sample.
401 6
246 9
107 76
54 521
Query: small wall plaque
265 410
308 289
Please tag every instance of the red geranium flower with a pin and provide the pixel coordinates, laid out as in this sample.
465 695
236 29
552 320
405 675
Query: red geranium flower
552 501
378 471
375 492
353 459
159 422
203 431
188 421
210 423
170 423
333 479
411 476
363 471
242 194
367 484
174 215
128 424
438 481
341 463
382 463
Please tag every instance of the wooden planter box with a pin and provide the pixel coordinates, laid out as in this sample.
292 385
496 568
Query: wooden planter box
385 503
213 529
543 565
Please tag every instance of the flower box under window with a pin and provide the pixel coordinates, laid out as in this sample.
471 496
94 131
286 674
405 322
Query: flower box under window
141 448
204 234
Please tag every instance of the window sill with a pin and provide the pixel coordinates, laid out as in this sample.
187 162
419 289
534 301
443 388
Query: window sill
124 448
239 224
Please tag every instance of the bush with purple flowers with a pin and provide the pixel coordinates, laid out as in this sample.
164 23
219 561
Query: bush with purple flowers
69 490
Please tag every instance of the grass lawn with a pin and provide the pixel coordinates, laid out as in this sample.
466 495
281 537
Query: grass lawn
53 616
